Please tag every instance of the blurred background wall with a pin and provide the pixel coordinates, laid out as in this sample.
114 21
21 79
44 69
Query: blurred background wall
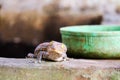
26 23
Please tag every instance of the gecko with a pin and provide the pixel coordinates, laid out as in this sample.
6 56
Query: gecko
52 50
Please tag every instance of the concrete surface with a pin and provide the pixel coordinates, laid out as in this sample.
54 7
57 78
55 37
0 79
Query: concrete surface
74 69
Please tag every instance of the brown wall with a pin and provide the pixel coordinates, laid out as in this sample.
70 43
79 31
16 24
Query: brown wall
38 21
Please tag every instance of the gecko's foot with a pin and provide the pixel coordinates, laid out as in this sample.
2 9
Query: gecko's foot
30 55
37 62
67 59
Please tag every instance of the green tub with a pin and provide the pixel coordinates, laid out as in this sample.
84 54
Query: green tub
92 41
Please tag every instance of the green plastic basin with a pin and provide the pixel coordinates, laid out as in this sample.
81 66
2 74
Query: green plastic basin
92 41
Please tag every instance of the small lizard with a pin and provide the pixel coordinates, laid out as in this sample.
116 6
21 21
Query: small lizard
53 50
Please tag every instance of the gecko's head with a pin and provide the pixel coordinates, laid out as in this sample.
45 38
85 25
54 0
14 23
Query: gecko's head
57 51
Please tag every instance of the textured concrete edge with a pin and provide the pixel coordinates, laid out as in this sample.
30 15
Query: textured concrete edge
71 64
12 73
75 69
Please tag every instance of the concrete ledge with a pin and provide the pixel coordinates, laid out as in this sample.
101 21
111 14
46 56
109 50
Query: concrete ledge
75 69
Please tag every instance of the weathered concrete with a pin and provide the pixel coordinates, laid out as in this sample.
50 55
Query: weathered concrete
75 69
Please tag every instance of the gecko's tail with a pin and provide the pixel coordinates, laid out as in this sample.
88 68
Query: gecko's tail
30 55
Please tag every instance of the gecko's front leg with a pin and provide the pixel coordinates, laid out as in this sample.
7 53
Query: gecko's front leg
41 54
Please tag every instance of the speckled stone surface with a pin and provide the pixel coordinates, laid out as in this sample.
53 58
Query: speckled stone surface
74 69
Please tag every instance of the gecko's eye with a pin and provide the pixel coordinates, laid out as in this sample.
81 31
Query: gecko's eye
63 57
